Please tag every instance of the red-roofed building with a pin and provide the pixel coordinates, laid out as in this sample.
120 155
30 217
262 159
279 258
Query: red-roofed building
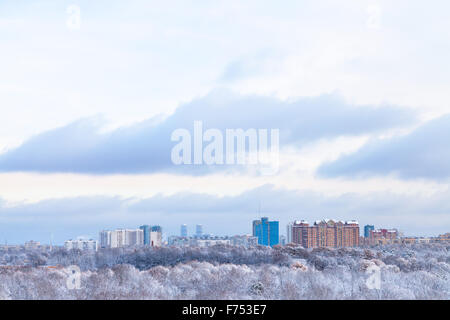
325 233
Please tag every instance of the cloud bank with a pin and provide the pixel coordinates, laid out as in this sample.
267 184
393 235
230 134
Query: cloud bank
146 146
422 154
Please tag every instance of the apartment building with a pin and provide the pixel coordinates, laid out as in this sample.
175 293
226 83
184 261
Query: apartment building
383 236
121 238
325 233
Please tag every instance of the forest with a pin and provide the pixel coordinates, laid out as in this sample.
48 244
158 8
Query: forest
420 271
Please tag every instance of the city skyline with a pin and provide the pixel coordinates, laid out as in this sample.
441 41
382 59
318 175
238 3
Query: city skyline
291 235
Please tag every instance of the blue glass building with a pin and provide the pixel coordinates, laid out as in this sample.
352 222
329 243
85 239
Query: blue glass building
146 229
367 229
266 231
156 229
183 230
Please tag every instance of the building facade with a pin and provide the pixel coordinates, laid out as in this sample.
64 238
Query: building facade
105 239
383 236
204 241
443 237
91 245
156 238
121 238
178 241
367 229
134 237
289 232
32 245
244 241
326 233
146 229
211 242
152 235
266 231
183 231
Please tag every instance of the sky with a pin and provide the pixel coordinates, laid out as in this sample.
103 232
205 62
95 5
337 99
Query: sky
91 92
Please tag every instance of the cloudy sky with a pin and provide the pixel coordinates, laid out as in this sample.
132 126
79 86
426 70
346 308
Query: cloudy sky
90 92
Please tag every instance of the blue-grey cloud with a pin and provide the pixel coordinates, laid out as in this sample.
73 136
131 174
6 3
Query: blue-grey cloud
70 217
424 153
146 147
